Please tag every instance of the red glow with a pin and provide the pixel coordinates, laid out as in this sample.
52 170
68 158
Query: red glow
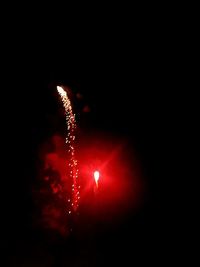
120 190
111 185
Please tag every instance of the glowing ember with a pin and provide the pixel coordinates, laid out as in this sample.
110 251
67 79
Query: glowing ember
71 125
96 177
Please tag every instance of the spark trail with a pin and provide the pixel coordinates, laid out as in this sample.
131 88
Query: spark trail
70 139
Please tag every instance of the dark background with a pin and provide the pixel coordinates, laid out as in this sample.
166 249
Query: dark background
128 89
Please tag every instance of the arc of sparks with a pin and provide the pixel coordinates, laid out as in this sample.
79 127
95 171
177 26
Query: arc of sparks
71 126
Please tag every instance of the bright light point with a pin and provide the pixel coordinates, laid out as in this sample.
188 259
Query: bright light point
96 176
61 91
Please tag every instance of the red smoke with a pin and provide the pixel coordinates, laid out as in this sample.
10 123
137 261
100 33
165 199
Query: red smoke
119 187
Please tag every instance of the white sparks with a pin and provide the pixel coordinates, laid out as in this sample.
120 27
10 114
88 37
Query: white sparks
71 126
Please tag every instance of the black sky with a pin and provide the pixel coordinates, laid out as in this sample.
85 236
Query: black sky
128 91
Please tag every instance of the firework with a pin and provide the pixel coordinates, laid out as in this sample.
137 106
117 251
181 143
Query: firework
96 177
70 139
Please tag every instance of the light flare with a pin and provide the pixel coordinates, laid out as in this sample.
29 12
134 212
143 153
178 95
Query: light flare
96 177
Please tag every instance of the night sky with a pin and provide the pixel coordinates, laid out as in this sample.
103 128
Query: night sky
127 95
